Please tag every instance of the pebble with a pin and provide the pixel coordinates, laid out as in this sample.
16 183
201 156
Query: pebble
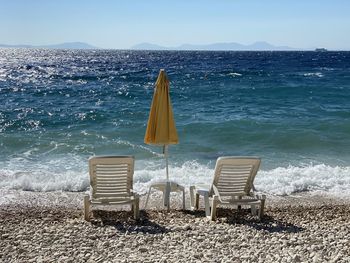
143 249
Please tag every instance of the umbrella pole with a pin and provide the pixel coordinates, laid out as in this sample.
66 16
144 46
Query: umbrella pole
167 187
166 161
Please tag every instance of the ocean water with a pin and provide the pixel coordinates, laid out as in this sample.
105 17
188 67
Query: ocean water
59 107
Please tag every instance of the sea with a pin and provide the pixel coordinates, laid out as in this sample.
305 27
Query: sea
60 107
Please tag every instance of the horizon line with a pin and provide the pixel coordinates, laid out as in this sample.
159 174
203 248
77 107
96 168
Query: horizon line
79 45
173 49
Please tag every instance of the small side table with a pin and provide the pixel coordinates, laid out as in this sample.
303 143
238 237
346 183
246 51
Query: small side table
195 193
167 187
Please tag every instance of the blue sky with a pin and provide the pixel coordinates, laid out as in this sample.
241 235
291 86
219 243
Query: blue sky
122 24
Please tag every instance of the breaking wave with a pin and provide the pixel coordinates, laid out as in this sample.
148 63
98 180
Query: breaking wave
58 176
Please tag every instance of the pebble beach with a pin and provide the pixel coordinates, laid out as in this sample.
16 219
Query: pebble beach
49 227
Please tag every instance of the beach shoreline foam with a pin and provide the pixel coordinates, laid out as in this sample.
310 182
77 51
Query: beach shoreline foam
46 227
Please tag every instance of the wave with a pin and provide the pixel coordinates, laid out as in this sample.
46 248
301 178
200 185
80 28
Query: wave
309 178
313 74
29 174
65 175
234 74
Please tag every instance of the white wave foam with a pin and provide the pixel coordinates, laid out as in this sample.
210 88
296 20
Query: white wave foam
66 174
234 74
189 173
43 181
140 147
72 175
292 179
313 74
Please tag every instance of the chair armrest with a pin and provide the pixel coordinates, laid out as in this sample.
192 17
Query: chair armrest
255 194
216 193
259 196
88 193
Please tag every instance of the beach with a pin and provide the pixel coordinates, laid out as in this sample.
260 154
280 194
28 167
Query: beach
60 107
49 227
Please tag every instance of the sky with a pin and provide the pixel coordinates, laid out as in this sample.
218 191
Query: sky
121 24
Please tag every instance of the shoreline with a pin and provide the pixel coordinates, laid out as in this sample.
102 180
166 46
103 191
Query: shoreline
46 227
74 200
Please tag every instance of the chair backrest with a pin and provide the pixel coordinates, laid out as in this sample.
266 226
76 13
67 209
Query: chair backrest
234 175
111 176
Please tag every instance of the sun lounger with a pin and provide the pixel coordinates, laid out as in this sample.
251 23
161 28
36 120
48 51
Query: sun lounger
232 185
111 181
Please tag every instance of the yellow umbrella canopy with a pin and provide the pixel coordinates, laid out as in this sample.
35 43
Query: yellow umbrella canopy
161 128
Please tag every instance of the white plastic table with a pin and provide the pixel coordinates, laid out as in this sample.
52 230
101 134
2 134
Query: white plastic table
167 187
200 190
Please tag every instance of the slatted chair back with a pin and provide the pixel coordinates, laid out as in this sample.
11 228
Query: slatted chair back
234 176
111 176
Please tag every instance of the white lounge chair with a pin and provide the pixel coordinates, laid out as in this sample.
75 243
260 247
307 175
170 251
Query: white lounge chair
232 185
111 181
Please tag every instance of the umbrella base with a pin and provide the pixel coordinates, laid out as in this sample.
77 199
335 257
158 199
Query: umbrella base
167 187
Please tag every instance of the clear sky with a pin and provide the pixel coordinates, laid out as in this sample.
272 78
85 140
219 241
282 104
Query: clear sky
124 23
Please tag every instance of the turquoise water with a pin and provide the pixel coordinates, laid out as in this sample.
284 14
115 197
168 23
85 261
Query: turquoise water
59 107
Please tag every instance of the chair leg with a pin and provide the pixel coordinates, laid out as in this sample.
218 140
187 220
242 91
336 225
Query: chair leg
196 201
239 207
183 199
213 208
167 196
87 208
253 210
192 197
207 205
149 192
136 208
261 210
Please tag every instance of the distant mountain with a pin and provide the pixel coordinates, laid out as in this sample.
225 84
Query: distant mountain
67 45
258 46
148 46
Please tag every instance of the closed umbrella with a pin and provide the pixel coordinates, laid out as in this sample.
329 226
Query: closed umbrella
161 128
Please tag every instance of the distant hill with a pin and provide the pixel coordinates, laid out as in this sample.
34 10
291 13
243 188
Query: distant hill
149 46
67 45
258 46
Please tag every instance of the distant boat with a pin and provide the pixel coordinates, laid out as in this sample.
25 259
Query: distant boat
320 49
